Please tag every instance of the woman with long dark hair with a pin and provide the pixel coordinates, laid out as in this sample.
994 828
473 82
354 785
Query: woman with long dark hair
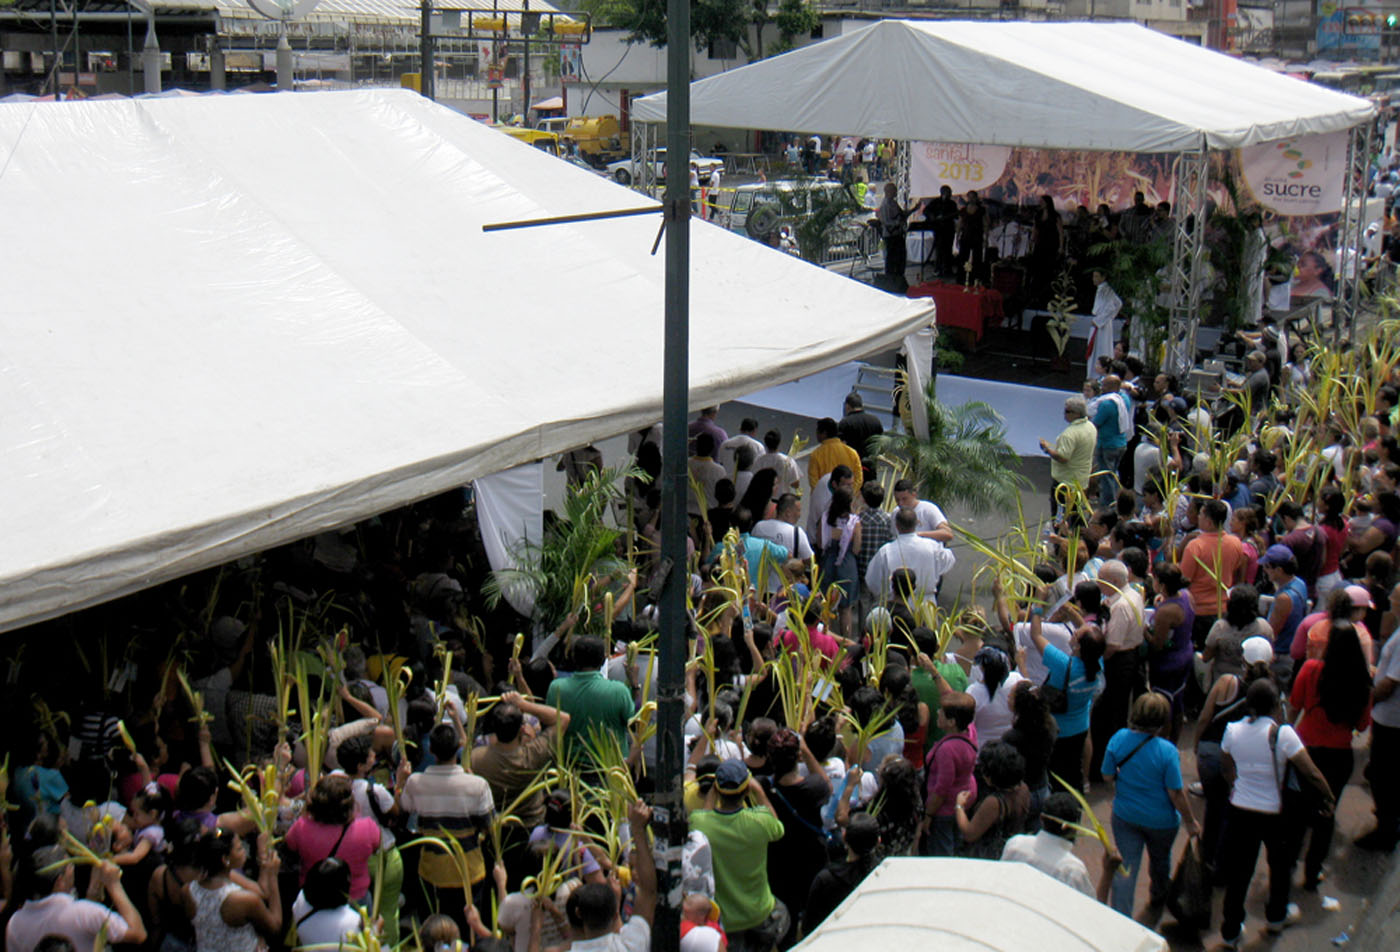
840 541
1332 520
901 806
897 685
1033 733
758 498
992 694
1333 696
1225 642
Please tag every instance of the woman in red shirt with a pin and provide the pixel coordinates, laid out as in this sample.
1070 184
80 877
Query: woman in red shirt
1333 523
1333 698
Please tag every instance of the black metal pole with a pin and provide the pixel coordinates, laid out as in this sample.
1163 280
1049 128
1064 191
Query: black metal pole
425 51
57 53
669 805
525 70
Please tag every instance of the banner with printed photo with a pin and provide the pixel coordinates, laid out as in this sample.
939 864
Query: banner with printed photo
1302 176
570 62
959 165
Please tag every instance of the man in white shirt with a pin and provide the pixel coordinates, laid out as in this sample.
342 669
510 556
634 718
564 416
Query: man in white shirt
747 428
1123 635
789 476
928 559
784 530
705 472
59 913
932 524
1052 849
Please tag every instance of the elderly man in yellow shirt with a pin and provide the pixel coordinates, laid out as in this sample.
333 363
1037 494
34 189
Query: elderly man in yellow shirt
1072 456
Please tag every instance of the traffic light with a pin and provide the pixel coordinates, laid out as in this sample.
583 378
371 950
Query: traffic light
1391 20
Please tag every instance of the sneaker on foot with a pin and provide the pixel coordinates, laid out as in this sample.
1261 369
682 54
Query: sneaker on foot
1196 788
1293 915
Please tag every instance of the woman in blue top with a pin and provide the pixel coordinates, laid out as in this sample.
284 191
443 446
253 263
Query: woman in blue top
1081 678
1147 768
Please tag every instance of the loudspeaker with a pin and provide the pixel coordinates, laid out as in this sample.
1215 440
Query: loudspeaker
893 283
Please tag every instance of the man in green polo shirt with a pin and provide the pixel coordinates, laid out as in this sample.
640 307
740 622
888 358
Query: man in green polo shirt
1072 456
932 680
753 918
592 702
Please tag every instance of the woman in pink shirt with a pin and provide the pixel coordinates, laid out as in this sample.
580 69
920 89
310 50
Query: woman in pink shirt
330 828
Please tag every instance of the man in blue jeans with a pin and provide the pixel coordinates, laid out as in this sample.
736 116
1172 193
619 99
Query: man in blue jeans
1113 421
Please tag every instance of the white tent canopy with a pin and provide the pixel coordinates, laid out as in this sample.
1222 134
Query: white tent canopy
235 321
912 905
1089 86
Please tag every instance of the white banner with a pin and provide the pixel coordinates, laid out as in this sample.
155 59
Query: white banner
1301 176
959 165
510 508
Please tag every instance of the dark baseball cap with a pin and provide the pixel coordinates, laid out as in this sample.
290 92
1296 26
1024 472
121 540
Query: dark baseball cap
732 776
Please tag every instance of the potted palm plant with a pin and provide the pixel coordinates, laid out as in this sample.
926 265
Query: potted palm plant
966 458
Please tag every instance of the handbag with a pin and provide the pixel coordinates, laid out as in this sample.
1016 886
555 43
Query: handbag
1189 898
1297 799
1057 698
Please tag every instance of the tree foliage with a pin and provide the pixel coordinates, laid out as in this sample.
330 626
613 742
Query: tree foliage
966 458
645 20
795 18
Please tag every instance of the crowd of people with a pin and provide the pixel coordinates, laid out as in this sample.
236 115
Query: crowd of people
343 743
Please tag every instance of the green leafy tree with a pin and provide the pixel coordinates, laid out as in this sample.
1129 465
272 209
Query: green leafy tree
759 17
795 18
966 458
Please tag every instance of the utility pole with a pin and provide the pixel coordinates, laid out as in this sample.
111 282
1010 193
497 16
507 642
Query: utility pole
525 70
425 50
669 805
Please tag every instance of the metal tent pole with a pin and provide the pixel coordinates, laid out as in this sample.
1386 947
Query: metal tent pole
668 803
1184 270
1350 252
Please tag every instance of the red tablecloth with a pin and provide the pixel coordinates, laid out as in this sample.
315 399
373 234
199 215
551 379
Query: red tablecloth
959 307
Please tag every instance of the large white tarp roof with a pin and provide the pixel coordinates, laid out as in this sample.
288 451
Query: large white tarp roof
1099 86
911 904
233 321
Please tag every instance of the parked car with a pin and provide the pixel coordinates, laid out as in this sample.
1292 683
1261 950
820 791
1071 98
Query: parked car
625 171
761 208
